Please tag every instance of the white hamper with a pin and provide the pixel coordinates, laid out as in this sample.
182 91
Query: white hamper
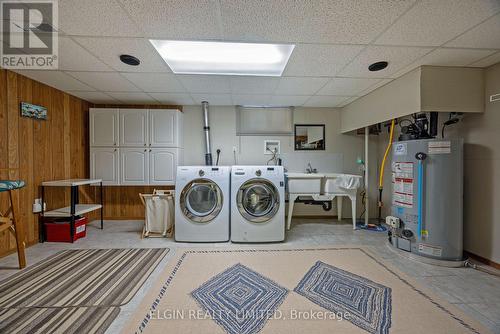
159 214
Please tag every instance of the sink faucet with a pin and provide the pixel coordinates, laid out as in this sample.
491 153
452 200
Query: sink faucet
310 170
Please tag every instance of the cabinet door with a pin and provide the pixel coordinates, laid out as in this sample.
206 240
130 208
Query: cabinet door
103 127
164 127
104 164
134 127
163 165
134 166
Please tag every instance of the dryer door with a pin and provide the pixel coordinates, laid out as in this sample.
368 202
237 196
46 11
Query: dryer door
258 200
201 200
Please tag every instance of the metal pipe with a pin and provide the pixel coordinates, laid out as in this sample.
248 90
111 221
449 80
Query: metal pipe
367 178
206 129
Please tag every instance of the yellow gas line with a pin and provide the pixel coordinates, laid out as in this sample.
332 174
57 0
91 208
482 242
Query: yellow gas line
387 150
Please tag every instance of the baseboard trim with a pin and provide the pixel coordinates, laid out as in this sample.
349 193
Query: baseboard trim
483 260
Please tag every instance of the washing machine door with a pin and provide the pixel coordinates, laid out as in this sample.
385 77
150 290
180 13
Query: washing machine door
258 200
201 200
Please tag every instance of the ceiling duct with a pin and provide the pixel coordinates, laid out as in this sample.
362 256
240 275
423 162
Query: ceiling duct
206 129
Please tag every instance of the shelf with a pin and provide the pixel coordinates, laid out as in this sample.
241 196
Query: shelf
70 182
80 209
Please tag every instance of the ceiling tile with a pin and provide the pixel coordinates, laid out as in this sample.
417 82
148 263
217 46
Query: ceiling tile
253 85
110 49
325 101
95 18
185 19
133 97
318 21
452 57
288 100
348 101
94 97
56 79
379 84
214 99
205 83
447 57
488 61
486 35
156 82
398 58
173 98
251 100
300 85
73 57
320 60
346 86
432 23
105 81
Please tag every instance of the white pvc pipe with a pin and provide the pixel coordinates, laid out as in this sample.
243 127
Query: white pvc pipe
367 178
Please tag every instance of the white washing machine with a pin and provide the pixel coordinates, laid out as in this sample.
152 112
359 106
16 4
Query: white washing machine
257 204
202 200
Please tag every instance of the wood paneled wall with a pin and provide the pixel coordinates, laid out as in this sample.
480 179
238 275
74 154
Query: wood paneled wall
37 150
57 148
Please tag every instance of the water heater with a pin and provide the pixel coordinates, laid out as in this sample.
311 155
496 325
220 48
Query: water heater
427 197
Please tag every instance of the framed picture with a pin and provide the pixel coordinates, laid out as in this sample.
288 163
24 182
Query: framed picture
33 111
309 137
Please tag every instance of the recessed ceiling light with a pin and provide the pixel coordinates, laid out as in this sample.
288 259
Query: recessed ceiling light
224 58
130 60
378 66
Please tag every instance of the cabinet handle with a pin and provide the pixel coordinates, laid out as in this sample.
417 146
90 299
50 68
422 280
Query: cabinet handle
150 150
116 150
145 150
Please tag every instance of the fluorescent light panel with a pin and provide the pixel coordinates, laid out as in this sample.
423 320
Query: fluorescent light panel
224 58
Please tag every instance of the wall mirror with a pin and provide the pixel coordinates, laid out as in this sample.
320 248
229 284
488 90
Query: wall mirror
309 137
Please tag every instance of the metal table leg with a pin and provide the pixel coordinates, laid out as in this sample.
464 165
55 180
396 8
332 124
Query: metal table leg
41 227
74 200
102 206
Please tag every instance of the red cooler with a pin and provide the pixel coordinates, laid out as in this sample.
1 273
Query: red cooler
59 230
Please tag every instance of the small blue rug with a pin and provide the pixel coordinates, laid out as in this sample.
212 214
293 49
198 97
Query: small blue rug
240 299
364 303
371 227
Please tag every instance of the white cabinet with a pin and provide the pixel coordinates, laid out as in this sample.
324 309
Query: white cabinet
134 127
104 165
163 165
135 146
164 128
134 164
103 127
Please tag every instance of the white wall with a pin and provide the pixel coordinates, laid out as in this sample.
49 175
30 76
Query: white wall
250 149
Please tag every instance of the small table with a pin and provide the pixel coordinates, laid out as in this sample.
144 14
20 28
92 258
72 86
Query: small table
74 209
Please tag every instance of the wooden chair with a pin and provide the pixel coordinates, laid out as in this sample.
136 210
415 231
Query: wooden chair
8 220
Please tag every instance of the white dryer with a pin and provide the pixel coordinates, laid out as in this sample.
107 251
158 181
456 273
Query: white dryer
257 204
202 202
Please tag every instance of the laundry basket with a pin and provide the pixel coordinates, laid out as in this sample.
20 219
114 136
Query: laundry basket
159 214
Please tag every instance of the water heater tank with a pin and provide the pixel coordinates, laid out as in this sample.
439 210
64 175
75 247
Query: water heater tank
427 197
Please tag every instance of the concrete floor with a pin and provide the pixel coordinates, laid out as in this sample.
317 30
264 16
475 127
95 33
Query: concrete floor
475 292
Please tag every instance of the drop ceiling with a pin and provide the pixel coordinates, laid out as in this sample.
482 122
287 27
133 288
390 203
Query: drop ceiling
335 43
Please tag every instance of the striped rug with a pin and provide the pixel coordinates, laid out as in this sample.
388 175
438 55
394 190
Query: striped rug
87 277
57 320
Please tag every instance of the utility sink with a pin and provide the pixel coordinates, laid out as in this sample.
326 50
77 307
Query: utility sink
332 186
304 183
